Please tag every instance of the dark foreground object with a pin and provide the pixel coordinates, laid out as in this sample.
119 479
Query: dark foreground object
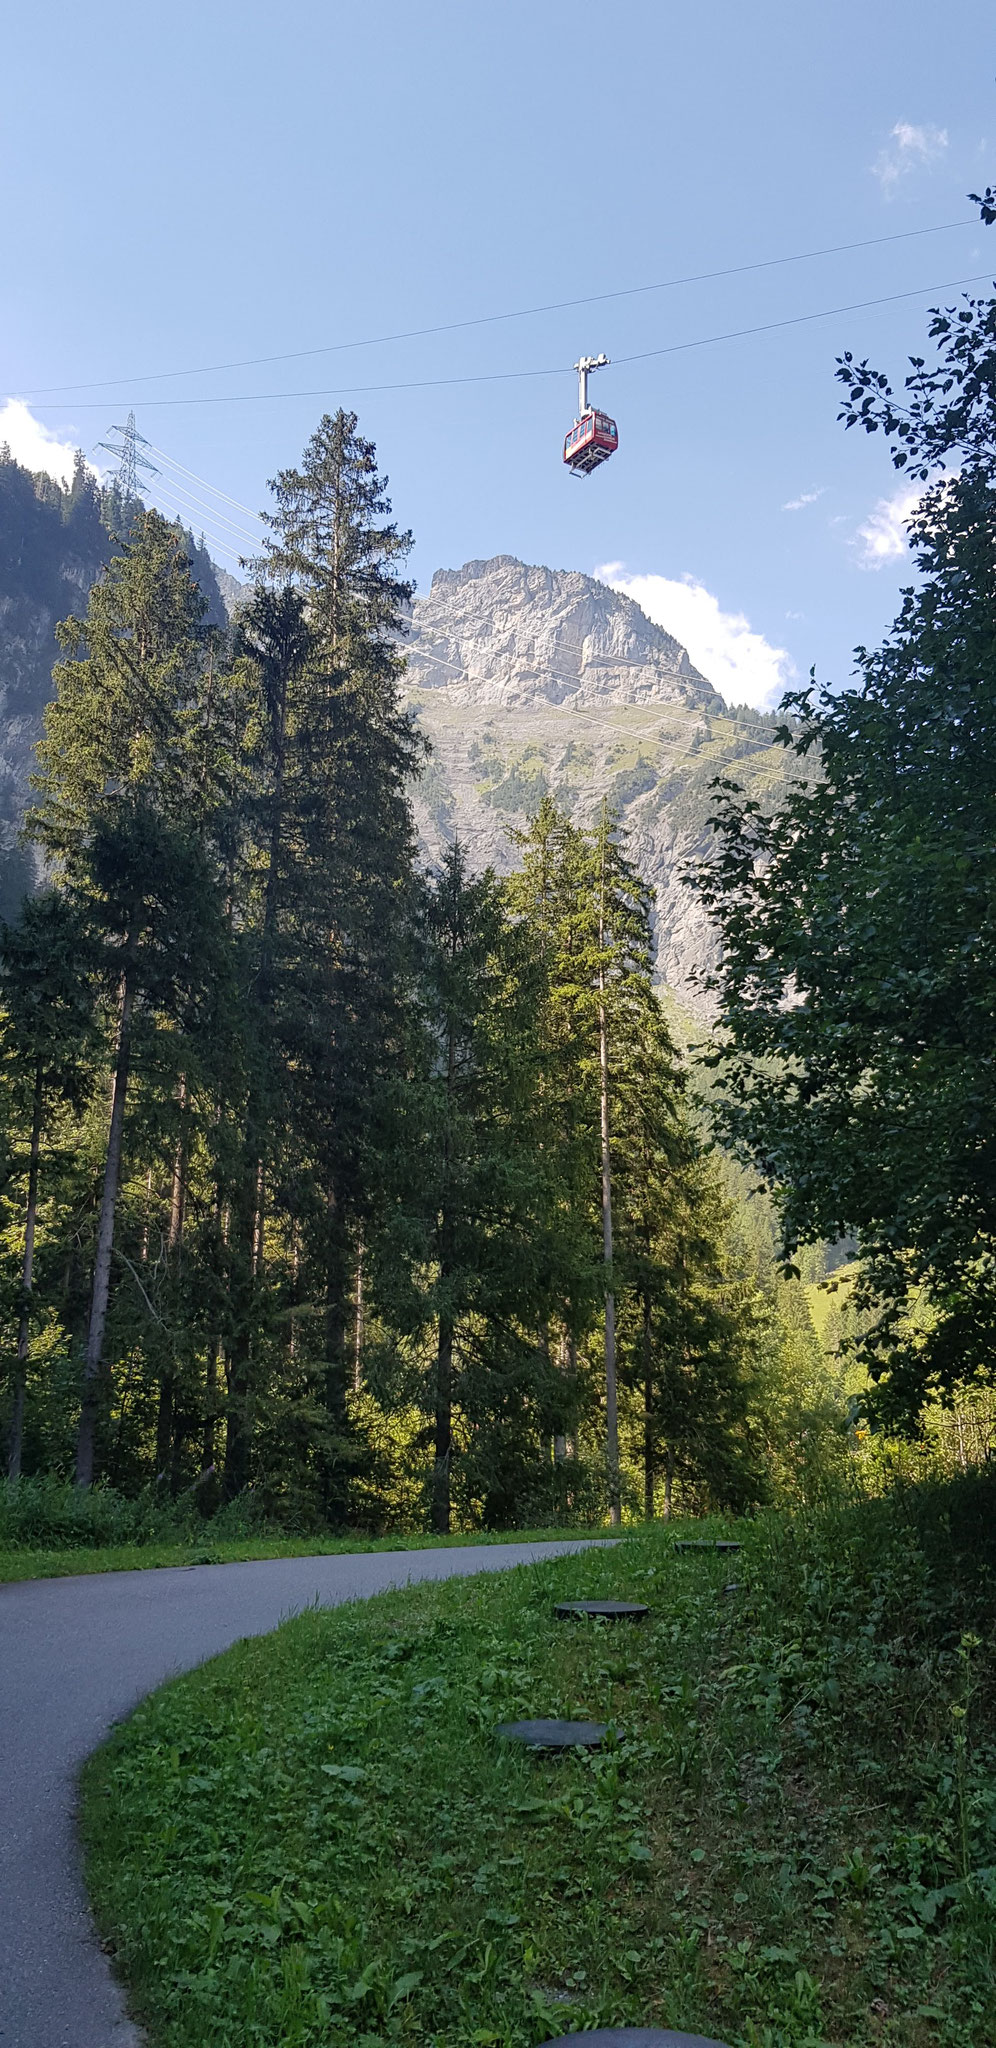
632 2037
603 1610
707 1546
555 1735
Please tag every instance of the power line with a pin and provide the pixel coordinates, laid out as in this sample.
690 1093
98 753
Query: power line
520 376
192 520
492 319
215 548
209 511
213 488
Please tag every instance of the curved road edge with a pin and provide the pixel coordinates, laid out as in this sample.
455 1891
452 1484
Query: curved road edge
77 1655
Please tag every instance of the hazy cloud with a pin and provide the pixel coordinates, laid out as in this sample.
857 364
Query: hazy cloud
739 662
908 149
882 538
33 445
806 498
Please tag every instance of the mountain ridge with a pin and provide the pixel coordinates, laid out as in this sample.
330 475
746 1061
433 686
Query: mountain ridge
530 681
510 632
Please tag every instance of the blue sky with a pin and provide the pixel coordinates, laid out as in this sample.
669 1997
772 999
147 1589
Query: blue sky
208 183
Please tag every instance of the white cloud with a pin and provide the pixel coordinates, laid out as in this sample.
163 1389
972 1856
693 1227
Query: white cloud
883 538
805 498
908 149
740 663
33 445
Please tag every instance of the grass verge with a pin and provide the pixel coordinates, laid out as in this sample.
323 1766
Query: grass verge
790 1841
20 1563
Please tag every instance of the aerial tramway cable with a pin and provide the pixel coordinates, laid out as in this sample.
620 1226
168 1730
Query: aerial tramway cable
493 319
554 370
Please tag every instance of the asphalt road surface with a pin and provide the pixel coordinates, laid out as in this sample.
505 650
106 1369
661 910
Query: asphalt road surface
78 1654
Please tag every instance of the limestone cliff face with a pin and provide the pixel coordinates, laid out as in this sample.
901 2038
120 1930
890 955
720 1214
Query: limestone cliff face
531 680
500 632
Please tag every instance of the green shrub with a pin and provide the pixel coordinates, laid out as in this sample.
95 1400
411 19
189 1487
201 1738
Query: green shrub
52 1514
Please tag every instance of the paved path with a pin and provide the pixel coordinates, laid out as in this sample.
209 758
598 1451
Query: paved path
75 1656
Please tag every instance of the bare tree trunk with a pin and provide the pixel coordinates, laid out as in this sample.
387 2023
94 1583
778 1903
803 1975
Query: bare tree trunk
358 1331
15 1441
611 1391
444 1429
649 1473
144 1254
668 1481
86 1439
166 1417
164 1422
560 1434
295 1283
210 1405
259 1220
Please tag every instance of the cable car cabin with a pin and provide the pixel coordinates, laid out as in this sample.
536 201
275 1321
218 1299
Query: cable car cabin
592 439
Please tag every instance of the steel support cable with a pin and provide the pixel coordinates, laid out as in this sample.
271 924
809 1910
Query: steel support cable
520 313
557 370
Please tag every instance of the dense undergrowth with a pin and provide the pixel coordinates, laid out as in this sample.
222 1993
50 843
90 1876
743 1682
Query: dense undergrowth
791 1839
51 1514
51 1529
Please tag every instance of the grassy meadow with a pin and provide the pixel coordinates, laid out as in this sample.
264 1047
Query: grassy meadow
789 1840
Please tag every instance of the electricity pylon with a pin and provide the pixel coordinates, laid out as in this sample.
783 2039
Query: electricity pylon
130 461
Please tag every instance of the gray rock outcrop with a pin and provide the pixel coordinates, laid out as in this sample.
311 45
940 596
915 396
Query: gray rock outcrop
530 681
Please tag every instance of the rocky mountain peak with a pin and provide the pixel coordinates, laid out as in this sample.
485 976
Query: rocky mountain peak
509 633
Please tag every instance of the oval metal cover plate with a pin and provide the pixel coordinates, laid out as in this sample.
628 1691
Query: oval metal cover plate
605 1610
632 2037
555 1734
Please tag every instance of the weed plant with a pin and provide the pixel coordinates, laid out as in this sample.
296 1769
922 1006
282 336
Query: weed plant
789 1841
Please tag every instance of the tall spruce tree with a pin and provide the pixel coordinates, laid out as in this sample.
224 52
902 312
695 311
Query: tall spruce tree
590 916
121 823
47 1030
340 871
482 1190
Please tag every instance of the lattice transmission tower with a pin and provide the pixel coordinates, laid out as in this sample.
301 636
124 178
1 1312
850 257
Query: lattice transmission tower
130 459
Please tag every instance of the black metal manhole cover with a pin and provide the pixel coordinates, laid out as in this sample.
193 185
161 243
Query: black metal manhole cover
632 2037
604 1610
723 1547
554 1735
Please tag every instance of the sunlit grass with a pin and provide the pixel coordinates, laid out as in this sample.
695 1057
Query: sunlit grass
318 1840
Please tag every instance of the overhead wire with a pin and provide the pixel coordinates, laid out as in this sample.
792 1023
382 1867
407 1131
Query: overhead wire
217 518
493 319
556 370
198 527
202 480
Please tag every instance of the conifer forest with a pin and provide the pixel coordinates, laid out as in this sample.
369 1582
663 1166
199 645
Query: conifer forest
339 1191
343 1189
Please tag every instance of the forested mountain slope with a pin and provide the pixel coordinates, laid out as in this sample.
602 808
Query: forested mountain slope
53 545
527 680
531 681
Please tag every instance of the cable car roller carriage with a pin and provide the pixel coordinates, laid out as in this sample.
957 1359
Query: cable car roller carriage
593 437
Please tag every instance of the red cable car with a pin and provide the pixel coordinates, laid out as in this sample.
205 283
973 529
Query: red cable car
593 437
